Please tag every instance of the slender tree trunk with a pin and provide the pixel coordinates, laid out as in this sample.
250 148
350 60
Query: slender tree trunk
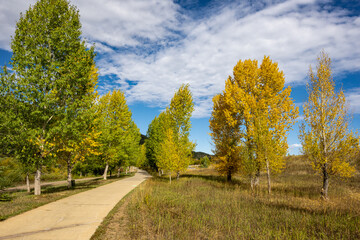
177 175
118 172
255 179
106 170
37 182
69 173
27 182
324 190
126 170
170 176
228 177
159 173
268 175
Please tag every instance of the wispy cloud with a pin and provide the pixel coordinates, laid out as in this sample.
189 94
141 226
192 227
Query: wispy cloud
150 47
292 33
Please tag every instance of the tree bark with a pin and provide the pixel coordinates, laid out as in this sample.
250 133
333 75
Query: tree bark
170 177
228 177
324 190
255 180
268 175
27 182
159 173
177 175
118 172
37 182
106 170
69 173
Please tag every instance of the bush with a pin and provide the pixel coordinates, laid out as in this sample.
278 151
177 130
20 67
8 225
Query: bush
10 172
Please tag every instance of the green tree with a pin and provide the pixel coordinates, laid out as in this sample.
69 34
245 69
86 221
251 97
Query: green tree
155 136
77 133
51 65
180 111
325 137
119 136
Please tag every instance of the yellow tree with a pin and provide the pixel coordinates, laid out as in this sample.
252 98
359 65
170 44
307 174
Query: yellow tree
168 156
266 112
226 137
179 112
326 140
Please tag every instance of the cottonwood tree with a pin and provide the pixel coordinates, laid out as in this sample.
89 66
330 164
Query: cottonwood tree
168 156
264 111
77 134
118 131
325 137
155 136
180 111
226 137
51 67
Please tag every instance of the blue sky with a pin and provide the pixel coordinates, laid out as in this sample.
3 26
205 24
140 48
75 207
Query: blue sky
148 48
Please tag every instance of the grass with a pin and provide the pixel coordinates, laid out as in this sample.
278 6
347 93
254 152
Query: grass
20 201
202 205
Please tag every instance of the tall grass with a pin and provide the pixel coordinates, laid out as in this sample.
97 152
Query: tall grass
202 205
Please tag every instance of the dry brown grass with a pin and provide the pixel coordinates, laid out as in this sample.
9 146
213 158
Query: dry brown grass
202 205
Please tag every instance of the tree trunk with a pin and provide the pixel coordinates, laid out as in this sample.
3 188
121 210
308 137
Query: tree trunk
177 175
228 176
106 170
126 171
159 173
324 190
69 179
37 182
268 175
170 177
118 172
27 182
255 180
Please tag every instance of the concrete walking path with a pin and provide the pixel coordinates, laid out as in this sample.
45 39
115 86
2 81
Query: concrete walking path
75 217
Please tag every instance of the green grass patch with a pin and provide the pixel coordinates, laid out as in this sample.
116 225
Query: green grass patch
18 202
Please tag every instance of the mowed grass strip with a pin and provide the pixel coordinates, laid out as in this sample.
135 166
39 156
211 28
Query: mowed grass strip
201 205
21 201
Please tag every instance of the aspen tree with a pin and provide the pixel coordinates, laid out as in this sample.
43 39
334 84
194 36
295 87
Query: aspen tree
325 137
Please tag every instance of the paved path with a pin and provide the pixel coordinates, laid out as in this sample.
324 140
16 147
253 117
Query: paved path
74 217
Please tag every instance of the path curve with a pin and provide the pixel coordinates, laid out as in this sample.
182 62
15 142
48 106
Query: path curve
75 217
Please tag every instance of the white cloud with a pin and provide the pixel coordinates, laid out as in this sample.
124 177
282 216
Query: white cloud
353 98
9 15
295 145
203 52
292 33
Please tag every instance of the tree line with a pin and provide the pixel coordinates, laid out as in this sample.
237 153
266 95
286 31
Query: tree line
251 118
50 109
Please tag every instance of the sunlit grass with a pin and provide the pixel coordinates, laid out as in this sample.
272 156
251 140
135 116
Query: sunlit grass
202 205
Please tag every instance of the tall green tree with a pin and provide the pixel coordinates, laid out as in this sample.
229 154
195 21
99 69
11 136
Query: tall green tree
325 137
119 136
51 65
180 111
155 136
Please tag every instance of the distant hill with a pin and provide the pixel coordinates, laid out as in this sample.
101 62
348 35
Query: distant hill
198 155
